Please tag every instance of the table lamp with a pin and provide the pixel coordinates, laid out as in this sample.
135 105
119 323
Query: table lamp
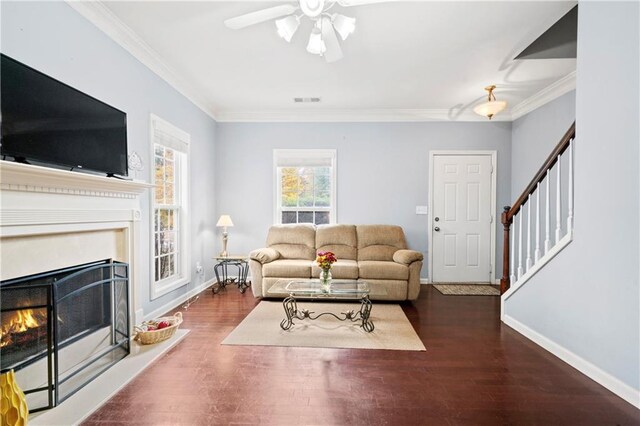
224 221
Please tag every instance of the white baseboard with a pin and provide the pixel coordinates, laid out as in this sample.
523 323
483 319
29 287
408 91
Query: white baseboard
610 382
175 302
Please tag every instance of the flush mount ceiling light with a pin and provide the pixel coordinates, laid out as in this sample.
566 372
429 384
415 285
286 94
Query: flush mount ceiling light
492 106
322 40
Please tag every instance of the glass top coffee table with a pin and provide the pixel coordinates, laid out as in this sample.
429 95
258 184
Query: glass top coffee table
314 289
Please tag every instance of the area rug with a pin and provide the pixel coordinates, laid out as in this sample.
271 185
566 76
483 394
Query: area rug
467 289
262 328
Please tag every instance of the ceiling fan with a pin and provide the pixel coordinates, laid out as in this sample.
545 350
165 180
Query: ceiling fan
323 40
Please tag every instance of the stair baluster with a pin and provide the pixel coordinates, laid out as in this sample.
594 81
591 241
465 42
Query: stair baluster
537 252
529 260
520 269
570 203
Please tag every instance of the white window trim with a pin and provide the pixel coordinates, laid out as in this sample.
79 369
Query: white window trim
277 194
165 286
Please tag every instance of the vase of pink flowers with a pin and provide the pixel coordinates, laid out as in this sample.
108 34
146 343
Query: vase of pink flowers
325 261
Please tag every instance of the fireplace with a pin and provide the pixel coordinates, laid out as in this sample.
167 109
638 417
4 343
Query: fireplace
63 328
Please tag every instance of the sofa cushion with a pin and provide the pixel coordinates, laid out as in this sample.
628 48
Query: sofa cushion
343 269
341 240
379 242
293 241
287 268
382 270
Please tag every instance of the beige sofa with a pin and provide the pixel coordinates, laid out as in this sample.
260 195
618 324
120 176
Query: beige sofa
376 254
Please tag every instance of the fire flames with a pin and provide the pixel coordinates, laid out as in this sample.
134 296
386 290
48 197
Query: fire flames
19 322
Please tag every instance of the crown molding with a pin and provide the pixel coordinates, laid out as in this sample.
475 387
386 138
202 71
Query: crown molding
548 94
352 116
103 18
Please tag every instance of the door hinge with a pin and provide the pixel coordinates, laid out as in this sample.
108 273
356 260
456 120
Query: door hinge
491 219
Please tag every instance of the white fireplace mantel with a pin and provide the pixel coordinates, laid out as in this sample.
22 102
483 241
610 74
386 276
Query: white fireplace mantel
52 218
30 178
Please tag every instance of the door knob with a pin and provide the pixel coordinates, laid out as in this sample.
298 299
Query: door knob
437 229
436 219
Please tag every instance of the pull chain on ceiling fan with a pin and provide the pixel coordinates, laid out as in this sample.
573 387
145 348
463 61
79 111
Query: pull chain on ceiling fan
323 40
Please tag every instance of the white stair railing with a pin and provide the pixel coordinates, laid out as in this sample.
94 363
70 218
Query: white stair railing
518 272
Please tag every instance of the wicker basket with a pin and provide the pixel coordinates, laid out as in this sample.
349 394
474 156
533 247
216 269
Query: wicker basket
154 336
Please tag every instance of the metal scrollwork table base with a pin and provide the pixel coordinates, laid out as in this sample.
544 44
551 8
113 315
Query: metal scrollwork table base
222 273
292 312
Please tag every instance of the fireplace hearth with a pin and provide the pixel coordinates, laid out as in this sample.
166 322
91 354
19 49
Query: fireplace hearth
63 328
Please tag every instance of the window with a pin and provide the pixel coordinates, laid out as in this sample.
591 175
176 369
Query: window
305 181
170 231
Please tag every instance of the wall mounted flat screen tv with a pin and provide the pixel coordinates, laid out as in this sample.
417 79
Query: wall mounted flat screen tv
46 121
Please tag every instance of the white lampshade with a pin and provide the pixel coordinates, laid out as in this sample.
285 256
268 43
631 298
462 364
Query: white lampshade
287 27
316 44
225 220
343 25
490 108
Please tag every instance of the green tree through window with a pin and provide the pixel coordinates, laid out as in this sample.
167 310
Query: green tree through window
306 194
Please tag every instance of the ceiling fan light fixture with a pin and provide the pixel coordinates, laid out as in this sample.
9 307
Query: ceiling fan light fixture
492 106
287 27
316 45
344 25
312 8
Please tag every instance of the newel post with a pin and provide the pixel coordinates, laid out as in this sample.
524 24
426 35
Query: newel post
506 220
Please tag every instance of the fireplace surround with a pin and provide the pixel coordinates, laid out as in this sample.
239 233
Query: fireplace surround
51 219
67 326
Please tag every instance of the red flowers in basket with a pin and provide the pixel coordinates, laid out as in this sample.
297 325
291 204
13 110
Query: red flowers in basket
325 259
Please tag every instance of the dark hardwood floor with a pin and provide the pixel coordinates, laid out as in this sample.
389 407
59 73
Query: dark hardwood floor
475 371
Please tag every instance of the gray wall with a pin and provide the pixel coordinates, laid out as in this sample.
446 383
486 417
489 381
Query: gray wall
53 38
382 171
587 298
534 136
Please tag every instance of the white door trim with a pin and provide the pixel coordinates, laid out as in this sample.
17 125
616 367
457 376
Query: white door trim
493 204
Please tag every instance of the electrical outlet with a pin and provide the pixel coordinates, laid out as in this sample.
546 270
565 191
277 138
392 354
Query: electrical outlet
199 268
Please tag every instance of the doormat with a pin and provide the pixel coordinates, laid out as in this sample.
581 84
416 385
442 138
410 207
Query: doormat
467 289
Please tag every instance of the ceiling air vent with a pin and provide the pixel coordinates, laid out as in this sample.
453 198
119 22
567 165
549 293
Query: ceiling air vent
306 100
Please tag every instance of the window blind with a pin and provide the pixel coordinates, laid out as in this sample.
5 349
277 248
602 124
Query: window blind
304 158
167 135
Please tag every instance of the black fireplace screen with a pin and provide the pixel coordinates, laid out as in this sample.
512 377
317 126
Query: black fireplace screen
63 328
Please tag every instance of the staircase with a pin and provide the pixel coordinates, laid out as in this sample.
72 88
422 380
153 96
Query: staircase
542 218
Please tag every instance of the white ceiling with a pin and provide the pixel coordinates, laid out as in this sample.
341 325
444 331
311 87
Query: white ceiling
404 57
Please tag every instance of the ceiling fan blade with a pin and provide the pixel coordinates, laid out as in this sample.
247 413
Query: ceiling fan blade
349 3
334 51
243 21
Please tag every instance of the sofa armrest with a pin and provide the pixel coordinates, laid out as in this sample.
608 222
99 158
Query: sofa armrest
256 277
264 255
407 257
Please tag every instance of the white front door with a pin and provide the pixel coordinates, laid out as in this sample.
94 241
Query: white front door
461 220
